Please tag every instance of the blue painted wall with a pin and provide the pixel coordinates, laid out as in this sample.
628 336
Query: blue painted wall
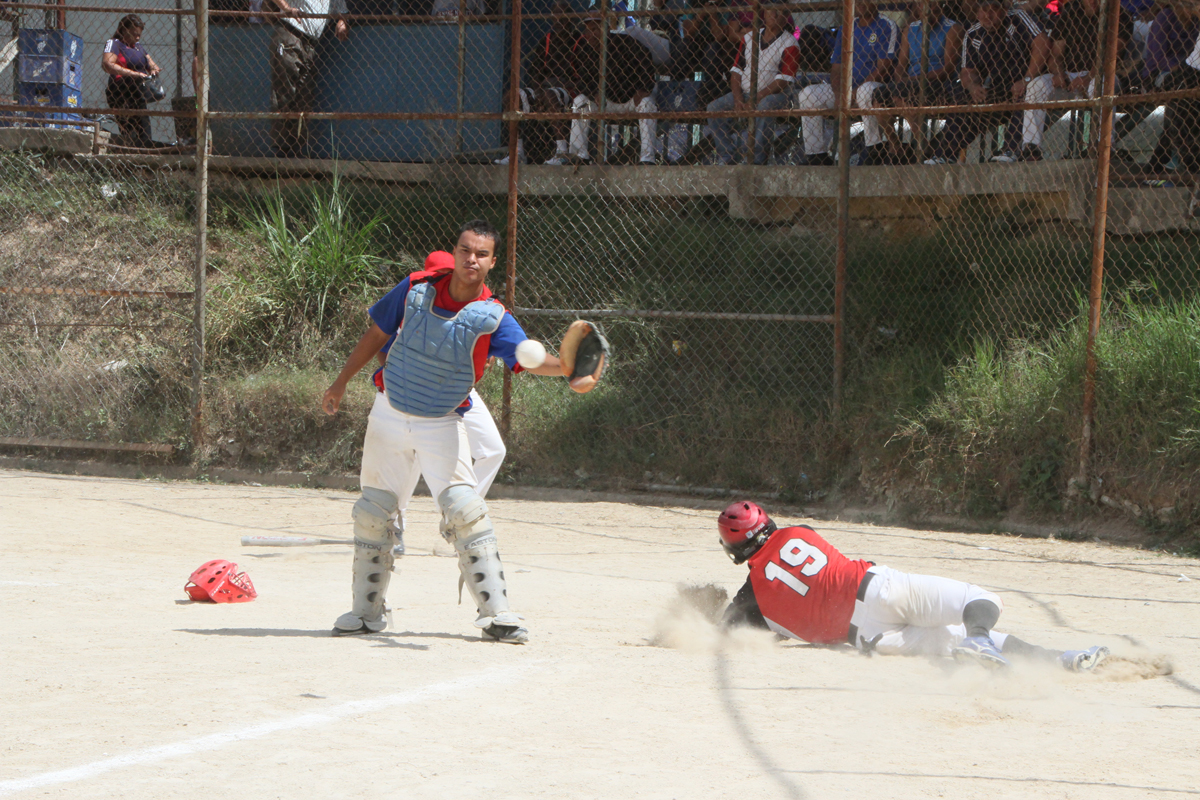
400 68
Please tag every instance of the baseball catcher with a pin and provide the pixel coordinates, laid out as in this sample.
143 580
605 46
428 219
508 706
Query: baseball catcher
446 326
801 587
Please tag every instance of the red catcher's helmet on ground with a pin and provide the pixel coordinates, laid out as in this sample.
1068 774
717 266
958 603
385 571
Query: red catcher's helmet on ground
744 528
220 582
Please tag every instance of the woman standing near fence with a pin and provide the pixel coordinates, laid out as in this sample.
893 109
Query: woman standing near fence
128 64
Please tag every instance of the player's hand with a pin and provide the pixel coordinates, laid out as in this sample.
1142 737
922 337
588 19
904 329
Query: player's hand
341 30
1080 84
1018 90
332 400
1059 81
978 93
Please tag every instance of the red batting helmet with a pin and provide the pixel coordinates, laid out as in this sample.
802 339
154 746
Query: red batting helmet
220 582
744 528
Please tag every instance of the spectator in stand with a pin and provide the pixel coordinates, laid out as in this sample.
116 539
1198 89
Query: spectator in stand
1044 12
1181 127
1172 37
294 66
628 86
876 40
944 54
778 57
706 50
128 64
549 78
1072 60
1002 55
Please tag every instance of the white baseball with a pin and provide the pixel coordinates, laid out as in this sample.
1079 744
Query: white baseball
531 354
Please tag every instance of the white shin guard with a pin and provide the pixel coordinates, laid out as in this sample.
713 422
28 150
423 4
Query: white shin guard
373 560
466 524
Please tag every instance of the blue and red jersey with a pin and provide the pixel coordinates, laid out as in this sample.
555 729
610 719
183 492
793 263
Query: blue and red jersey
388 314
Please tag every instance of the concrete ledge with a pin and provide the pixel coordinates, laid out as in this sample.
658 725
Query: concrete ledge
1048 190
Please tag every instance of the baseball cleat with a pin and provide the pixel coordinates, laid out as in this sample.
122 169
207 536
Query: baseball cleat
980 649
350 625
1083 660
509 634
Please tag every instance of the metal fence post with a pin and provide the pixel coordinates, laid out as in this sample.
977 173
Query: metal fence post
462 66
1100 213
510 278
601 87
199 287
843 203
752 100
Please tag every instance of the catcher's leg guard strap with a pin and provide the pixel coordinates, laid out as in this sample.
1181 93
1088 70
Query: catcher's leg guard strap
465 522
373 559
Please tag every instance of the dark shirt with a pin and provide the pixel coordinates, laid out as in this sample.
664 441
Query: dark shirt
1000 56
630 69
1078 30
1170 42
552 65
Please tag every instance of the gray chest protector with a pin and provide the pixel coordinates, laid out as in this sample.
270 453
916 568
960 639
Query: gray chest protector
430 367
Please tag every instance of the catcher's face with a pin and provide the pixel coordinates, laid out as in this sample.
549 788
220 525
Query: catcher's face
474 256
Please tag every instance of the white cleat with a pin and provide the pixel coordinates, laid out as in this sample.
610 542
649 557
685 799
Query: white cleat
980 649
350 625
1083 660
509 634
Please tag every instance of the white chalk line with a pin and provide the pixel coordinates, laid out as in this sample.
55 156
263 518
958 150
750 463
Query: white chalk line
217 740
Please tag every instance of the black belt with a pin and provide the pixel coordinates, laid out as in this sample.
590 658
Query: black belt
860 595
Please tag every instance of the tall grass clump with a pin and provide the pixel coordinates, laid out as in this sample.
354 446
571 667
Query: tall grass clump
1005 429
316 259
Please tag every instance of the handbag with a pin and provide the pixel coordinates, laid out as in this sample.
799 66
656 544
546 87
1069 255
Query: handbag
152 89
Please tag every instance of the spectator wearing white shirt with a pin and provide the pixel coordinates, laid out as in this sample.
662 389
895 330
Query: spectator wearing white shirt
294 66
778 58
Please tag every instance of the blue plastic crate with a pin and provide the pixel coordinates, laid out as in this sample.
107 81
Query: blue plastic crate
50 69
47 94
35 42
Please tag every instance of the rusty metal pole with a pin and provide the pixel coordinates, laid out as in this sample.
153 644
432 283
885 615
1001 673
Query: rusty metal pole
462 66
199 287
1100 214
752 100
843 203
510 276
923 95
602 88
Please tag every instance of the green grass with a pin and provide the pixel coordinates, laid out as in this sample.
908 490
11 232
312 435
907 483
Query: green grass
1005 429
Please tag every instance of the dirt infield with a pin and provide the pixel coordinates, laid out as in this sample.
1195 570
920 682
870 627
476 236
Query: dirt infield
115 686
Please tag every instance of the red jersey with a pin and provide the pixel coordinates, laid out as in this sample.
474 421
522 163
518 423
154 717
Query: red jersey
804 587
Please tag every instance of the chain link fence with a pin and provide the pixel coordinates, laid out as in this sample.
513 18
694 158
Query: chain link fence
923 195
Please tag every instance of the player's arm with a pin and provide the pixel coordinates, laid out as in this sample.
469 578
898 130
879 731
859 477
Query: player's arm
366 349
743 610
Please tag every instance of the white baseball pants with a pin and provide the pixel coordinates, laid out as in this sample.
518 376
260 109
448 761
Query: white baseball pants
647 128
916 614
821 95
399 448
1040 90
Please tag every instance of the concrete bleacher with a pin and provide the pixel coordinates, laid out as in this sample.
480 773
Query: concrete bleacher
914 198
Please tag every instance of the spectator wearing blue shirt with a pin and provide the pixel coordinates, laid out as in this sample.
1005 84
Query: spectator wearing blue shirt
941 57
876 40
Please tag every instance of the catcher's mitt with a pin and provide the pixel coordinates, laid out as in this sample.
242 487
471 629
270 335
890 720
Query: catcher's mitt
583 354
